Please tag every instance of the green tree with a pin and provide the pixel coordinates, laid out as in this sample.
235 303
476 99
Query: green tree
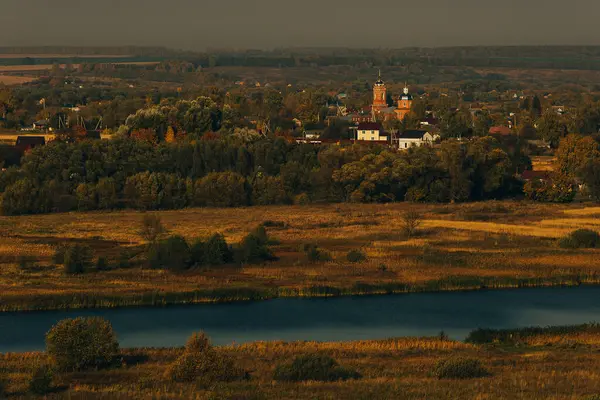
78 259
82 343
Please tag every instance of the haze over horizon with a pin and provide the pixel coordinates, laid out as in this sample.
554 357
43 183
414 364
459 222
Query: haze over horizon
193 25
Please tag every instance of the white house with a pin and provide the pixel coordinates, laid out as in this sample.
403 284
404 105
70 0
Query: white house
371 131
415 138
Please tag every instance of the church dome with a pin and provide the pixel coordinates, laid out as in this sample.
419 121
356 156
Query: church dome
379 81
406 95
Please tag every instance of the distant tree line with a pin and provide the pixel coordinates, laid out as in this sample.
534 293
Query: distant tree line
229 170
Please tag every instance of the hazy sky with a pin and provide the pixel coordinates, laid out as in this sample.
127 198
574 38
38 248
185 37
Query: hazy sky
198 24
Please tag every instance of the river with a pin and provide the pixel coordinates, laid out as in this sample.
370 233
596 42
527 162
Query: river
323 319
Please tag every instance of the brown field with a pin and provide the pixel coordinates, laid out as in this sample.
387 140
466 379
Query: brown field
26 68
543 163
466 246
542 367
15 80
62 56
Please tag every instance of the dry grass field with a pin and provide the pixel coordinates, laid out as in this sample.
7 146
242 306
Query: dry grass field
10 80
464 246
33 55
541 368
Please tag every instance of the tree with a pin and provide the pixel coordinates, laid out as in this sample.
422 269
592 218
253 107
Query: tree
268 190
221 189
152 229
172 253
78 258
82 343
19 198
170 136
106 192
411 220
550 128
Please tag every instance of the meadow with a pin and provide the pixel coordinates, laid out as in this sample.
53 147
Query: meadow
495 244
540 367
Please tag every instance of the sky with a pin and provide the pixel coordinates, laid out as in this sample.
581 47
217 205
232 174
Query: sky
264 24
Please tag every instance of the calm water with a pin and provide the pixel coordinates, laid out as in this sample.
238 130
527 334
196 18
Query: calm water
333 319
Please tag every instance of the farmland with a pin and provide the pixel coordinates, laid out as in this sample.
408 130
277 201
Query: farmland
545 365
461 246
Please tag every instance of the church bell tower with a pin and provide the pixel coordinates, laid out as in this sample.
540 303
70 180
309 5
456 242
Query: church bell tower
379 94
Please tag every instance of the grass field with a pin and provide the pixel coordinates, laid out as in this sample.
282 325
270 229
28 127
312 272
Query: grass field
540 367
15 80
465 246
33 55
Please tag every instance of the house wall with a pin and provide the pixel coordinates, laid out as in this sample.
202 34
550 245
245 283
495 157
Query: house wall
370 135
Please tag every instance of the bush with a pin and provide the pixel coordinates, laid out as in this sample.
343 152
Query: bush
411 220
313 367
124 259
101 264
254 248
274 224
217 251
41 380
212 251
302 199
459 368
26 262
152 229
314 254
59 255
172 253
82 343
200 362
356 256
77 259
581 238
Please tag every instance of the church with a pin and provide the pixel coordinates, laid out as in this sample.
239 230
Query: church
380 108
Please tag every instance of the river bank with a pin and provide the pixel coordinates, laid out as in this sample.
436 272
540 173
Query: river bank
545 364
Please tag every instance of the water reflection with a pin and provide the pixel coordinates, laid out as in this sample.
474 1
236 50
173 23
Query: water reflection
331 319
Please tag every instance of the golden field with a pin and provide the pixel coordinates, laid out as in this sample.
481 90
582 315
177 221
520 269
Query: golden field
390 369
463 246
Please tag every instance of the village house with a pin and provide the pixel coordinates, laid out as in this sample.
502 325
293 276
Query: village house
415 138
371 131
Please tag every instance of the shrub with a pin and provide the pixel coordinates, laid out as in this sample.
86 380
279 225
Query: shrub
200 362
356 256
152 229
581 238
217 251
81 343
302 199
459 368
254 247
101 264
59 255
41 380
314 254
411 220
313 367
26 262
274 224
124 259
77 259
172 253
